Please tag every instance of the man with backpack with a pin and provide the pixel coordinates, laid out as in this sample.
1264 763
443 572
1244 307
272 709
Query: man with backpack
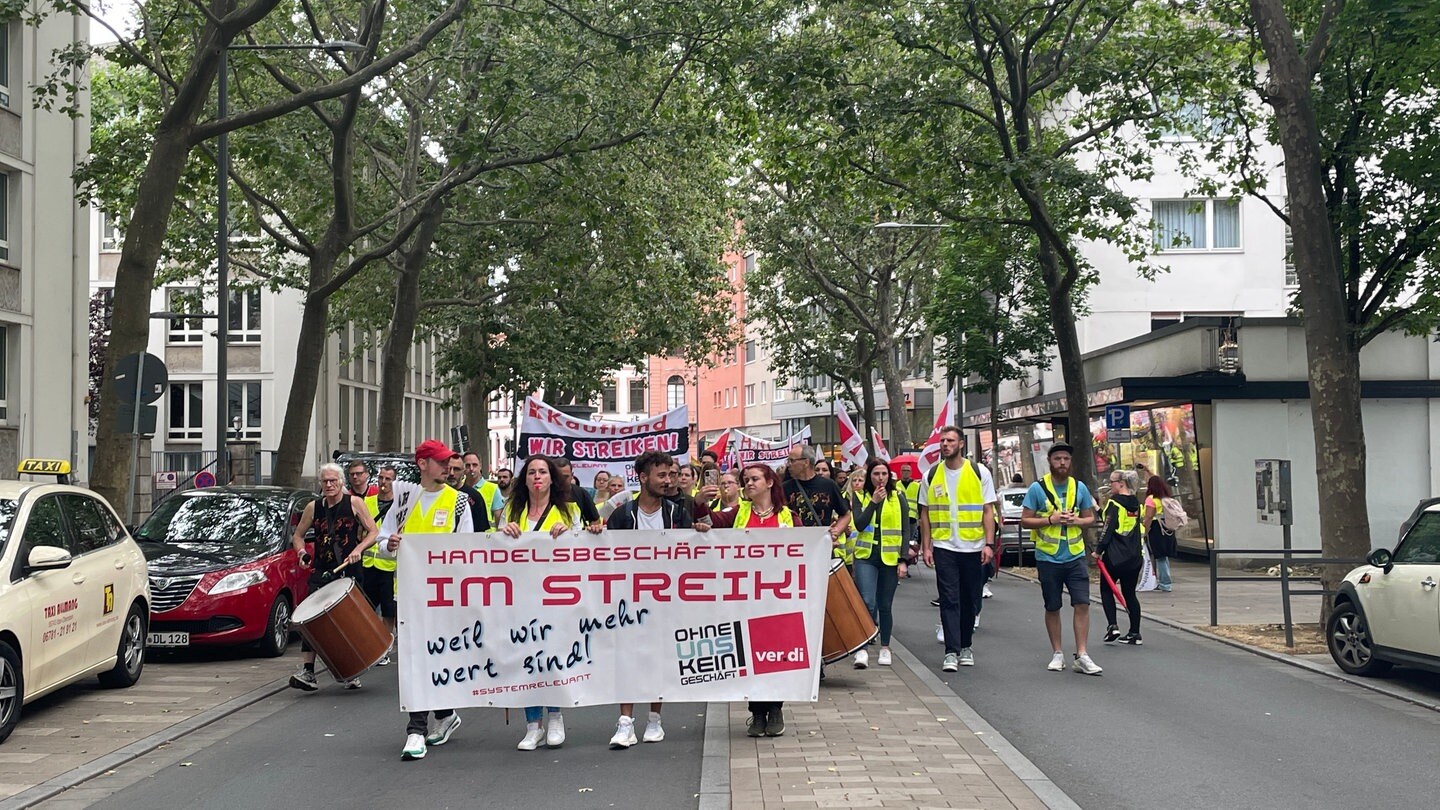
957 537
1056 510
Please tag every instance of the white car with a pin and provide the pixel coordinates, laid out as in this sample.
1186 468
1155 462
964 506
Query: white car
74 597
1387 611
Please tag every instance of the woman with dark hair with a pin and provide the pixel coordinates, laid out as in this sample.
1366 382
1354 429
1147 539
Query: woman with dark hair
764 509
822 469
883 521
541 503
1162 542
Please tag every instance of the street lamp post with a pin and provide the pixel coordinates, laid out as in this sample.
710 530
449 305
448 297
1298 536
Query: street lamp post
222 235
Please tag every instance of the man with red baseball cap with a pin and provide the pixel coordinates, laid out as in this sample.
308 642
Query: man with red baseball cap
430 506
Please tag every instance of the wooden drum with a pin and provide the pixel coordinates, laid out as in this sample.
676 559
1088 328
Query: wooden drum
848 625
342 626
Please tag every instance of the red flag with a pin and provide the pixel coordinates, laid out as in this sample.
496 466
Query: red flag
1115 589
931 453
718 446
880 451
852 446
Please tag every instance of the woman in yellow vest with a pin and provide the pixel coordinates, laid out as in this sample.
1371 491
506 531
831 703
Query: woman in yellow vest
541 503
882 515
1119 549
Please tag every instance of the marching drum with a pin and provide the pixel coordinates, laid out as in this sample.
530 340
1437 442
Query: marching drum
848 625
342 626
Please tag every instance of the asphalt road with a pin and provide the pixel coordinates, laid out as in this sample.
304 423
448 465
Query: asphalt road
1180 721
336 748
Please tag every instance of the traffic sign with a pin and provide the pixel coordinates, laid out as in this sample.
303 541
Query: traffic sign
204 479
1117 417
128 373
167 479
125 418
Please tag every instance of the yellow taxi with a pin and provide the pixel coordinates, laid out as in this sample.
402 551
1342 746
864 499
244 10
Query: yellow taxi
74 597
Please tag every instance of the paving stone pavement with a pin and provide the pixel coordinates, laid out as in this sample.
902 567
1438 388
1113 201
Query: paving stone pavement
878 737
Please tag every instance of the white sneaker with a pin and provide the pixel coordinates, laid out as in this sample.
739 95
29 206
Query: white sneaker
624 734
940 634
414 747
884 659
862 659
534 735
987 593
442 732
384 661
967 657
1057 662
654 732
977 623
555 731
1084 665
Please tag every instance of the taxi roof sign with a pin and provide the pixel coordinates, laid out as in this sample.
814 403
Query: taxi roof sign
45 466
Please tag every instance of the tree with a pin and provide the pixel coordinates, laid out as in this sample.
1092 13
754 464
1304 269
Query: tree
182 46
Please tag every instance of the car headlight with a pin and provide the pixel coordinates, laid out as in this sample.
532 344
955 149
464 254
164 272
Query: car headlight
238 581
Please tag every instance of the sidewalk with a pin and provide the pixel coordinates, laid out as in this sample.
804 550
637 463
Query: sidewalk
1239 602
866 743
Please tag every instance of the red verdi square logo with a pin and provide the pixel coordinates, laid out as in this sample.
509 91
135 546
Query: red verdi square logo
777 643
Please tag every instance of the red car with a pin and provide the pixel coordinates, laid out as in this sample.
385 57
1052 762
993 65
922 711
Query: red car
222 571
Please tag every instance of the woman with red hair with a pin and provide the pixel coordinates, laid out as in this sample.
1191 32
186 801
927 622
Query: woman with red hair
763 508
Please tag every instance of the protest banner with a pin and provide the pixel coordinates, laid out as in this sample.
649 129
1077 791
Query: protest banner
619 617
594 445
746 449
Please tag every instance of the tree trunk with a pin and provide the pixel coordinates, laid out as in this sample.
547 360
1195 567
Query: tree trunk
475 410
994 383
1332 355
1072 367
895 394
395 361
867 412
290 460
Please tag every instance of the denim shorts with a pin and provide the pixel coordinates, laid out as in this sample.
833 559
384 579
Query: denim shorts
1055 578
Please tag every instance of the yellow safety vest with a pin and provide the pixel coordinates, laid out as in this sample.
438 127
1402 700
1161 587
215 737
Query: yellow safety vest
488 490
1125 520
742 516
422 521
912 500
1048 538
891 540
570 517
371 558
969 505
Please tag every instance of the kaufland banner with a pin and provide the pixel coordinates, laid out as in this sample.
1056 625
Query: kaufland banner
594 445
619 617
740 449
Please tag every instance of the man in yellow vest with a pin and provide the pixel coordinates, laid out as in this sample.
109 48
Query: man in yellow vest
430 506
957 537
489 492
1056 509
378 577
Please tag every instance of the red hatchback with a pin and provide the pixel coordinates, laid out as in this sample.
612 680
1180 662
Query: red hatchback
222 571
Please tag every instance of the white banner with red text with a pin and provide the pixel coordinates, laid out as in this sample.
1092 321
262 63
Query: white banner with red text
619 617
593 445
738 449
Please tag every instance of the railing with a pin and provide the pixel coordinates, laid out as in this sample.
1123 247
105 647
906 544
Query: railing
189 462
1285 579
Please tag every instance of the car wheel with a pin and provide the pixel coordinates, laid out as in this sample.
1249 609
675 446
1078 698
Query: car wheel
130 657
277 629
1347 634
12 689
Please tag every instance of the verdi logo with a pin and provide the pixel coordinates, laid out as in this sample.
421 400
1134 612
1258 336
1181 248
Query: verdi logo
777 643
710 652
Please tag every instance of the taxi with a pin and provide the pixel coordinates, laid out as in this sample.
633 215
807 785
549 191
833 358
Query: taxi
74 598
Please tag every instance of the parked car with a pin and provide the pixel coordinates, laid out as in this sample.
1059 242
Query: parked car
74 601
222 570
1013 539
1387 611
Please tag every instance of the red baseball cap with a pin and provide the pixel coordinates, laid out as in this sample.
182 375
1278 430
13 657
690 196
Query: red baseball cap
432 448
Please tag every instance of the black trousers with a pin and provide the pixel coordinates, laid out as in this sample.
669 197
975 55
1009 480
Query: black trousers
1127 579
420 721
961 580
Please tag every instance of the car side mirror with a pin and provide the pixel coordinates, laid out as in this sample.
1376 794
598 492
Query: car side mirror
1381 558
47 558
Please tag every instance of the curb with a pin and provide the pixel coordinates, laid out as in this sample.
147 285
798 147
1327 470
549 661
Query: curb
715 758
1026 771
1270 654
83 773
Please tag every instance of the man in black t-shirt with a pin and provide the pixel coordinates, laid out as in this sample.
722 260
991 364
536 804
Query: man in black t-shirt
813 500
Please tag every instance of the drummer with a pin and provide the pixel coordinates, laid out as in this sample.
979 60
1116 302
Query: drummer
427 507
343 531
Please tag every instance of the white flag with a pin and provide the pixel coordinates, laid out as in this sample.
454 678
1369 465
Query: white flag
880 451
931 453
852 444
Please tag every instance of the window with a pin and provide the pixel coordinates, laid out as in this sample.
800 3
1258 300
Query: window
93 524
1191 122
4 189
718 402
44 527
244 410
1292 278
186 412
111 237
674 392
749 351
608 400
1196 224
750 394
1422 542
244 316
5 64
184 330
638 396
4 372
764 390
779 393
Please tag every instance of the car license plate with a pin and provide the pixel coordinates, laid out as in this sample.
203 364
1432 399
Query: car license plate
167 639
